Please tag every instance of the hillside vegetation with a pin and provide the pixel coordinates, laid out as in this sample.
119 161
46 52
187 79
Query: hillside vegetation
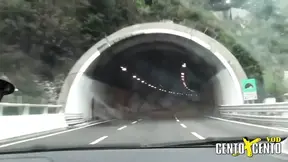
40 40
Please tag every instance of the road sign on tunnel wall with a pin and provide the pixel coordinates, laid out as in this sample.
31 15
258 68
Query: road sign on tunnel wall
249 89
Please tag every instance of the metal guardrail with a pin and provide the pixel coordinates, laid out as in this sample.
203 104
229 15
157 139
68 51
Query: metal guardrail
30 105
262 118
16 109
10 109
272 114
264 113
255 108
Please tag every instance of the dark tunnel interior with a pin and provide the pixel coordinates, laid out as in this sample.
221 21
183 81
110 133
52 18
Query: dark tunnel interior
159 60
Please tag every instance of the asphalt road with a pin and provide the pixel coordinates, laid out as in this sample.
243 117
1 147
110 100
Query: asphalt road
144 130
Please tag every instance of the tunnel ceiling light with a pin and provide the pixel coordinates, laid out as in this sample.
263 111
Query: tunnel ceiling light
161 89
123 68
183 81
183 65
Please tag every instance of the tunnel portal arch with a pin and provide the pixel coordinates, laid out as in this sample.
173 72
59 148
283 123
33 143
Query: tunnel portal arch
227 81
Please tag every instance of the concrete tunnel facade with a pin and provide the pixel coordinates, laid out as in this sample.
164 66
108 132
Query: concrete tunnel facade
78 89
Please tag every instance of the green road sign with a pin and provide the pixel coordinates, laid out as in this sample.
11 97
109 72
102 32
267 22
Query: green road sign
249 85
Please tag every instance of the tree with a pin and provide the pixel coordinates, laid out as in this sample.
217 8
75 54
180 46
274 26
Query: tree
44 38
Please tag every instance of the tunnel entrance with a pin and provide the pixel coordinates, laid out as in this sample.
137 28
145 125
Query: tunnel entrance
140 71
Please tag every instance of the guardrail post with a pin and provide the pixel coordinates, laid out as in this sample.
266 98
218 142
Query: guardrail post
46 109
1 110
26 110
61 109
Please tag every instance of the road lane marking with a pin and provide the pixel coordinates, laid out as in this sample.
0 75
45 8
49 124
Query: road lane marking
98 140
253 125
139 119
176 119
53 134
197 135
134 122
183 125
122 127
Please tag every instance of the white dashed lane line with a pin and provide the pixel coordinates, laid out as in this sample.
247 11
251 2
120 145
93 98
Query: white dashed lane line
98 140
176 119
122 127
134 122
197 135
183 125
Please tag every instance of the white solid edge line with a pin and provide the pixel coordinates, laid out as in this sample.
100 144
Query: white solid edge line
134 122
183 125
98 140
53 134
252 125
197 135
122 127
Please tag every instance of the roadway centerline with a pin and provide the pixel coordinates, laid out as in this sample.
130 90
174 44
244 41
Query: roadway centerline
183 125
122 127
98 140
197 135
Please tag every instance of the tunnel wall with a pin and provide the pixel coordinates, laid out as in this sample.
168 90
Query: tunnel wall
220 87
70 91
109 102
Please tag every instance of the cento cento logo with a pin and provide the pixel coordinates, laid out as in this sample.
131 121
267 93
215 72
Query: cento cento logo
249 148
